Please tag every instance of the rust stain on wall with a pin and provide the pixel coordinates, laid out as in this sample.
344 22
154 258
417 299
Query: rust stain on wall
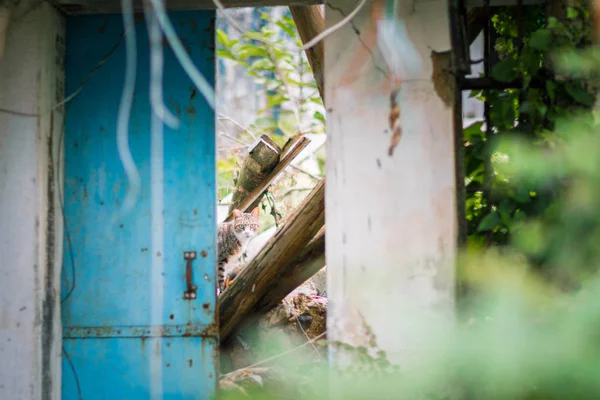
443 81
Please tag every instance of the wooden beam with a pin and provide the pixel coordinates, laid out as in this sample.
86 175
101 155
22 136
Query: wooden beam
260 161
260 189
307 263
239 301
76 7
310 22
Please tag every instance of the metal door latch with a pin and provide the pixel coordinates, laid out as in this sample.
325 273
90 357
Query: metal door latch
190 293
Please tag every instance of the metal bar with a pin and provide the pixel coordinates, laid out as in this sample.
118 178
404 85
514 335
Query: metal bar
520 25
459 170
486 83
461 42
487 171
521 31
458 35
486 40
210 331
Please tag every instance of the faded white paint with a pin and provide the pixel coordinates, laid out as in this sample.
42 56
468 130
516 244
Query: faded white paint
30 80
391 221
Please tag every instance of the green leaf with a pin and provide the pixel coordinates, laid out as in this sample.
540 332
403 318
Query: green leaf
262 64
505 70
223 38
475 242
551 89
572 13
579 95
541 39
552 22
318 116
251 50
224 53
503 111
506 206
287 29
519 216
489 222
256 36
275 100
475 93
521 195
542 109
316 100
266 123
473 130
530 238
287 122
505 210
506 219
300 83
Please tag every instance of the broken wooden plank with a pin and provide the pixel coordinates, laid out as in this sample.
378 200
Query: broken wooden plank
261 160
261 275
307 263
251 198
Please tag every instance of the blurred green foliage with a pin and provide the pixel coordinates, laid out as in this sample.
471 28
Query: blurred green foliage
270 55
497 202
529 328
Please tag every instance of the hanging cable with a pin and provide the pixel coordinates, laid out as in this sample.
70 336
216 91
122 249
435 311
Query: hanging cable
123 149
185 60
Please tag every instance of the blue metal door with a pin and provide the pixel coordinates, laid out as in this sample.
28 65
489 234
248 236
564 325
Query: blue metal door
129 330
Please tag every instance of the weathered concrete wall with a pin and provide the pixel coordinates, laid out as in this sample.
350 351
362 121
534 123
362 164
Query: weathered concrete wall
31 78
391 220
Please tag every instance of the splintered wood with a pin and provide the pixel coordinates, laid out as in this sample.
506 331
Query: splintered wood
250 200
261 160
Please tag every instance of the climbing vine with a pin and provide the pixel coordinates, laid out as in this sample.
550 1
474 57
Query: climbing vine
497 202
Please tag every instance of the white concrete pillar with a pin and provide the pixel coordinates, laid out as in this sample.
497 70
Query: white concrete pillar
391 220
31 81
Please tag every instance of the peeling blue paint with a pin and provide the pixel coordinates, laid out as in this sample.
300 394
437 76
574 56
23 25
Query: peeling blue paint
112 255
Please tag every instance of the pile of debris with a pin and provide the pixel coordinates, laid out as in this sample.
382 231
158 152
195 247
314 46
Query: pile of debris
252 359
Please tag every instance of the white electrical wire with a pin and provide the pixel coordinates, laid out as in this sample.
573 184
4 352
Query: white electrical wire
185 60
156 70
123 149
233 23
335 27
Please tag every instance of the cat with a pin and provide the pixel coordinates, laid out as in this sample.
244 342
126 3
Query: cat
232 238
